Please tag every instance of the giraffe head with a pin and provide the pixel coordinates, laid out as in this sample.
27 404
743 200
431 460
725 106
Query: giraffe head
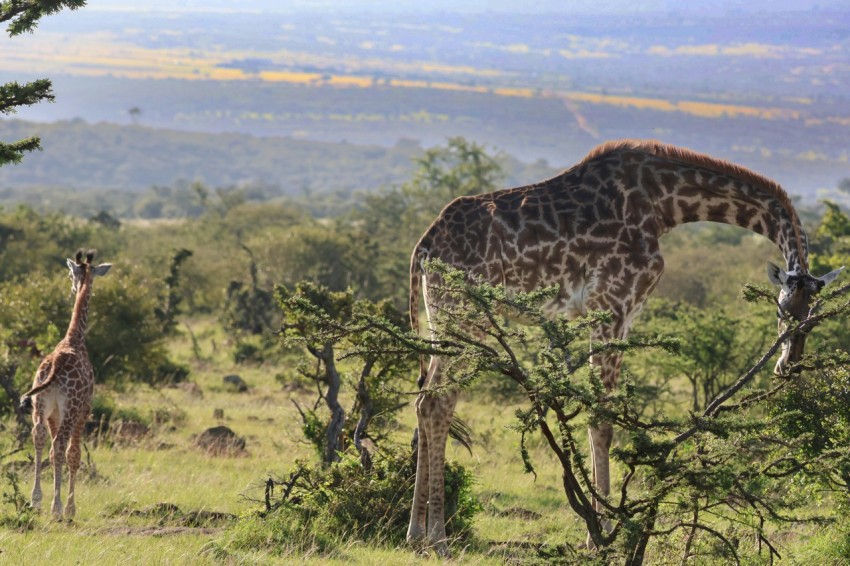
82 269
795 296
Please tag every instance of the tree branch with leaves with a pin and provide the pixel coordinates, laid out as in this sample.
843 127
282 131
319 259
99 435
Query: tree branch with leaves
727 470
23 16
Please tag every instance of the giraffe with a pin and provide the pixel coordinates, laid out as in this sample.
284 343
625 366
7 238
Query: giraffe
593 230
62 391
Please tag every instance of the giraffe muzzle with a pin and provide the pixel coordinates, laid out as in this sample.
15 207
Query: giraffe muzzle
792 352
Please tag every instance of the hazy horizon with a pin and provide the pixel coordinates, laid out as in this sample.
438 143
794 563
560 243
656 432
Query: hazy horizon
545 82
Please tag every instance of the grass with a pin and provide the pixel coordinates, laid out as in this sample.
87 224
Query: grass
117 499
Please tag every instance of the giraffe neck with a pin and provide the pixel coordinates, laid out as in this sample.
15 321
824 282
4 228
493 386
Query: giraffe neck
685 192
76 334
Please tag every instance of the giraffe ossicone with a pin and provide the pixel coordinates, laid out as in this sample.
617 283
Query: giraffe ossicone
61 396
593 230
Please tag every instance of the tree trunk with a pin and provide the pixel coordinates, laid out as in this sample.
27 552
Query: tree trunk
365 402
334 430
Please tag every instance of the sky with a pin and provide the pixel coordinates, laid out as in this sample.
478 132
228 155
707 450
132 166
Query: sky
539 6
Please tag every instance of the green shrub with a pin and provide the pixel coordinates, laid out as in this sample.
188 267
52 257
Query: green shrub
104 410
124 337
248 353
22 516
326 508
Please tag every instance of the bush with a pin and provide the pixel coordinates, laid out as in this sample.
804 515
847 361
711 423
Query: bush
22 516
247 353
124 337
104 411
323 509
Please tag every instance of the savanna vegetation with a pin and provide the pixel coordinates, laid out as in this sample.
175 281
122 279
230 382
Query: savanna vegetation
283 329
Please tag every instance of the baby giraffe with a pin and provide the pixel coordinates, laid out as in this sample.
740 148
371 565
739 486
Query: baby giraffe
62 391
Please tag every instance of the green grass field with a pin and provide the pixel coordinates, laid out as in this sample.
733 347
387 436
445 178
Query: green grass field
127 485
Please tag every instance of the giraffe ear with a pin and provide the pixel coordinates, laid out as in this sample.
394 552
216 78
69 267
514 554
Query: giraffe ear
101 269
776 275
829 277
72 265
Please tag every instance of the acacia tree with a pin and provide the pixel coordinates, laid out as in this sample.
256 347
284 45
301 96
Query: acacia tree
23 16
699 482
345 339
716 346
386 224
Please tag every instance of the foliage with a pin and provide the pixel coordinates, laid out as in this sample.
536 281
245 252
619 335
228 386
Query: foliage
815 407
387 224
831 243
335 328
22 516
124 337
459 168
830 249
23 17
248 308
105 410
167 313
325 508
30 241
716 346
706 264
681 475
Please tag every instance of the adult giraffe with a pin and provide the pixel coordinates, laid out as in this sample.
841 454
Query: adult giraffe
62 391
593 230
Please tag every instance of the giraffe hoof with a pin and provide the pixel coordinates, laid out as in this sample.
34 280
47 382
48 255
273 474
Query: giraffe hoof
440 549
415 538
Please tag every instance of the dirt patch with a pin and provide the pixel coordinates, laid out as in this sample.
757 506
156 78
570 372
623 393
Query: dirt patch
191 388
519 512
171 516
127 432
159 531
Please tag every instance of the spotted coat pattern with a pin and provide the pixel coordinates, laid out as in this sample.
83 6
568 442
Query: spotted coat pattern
593 230
62 391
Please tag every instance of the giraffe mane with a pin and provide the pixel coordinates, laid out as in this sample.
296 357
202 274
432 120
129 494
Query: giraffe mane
691 157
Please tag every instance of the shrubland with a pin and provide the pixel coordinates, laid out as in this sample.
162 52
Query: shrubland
308 311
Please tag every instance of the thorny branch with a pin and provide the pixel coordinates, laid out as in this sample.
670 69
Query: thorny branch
479 338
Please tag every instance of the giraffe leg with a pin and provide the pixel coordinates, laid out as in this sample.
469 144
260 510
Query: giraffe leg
53 428
73 465
57 451
600 447
416 531
440 409
39 437
600 442
434 415
418 512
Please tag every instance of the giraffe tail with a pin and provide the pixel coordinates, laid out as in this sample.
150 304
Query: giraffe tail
26 404
416 273
459 430
26 399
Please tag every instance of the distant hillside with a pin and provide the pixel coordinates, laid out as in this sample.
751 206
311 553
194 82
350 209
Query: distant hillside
84 156
768 93
107 156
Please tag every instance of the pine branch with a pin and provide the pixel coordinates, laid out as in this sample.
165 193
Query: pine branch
23 15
